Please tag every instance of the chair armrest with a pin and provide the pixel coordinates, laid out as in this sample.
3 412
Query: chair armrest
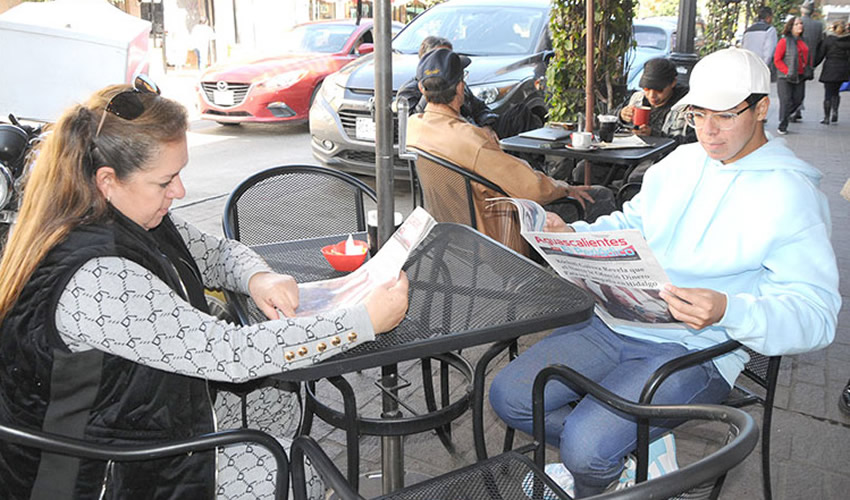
63 445
706 469
334 480
686 361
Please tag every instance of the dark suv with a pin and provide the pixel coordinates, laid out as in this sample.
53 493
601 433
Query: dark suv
507 41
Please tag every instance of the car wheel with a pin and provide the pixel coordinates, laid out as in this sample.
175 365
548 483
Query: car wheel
229 124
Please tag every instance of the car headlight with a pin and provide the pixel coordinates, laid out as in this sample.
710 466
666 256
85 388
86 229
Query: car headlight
285 80
492 92
333 88
6 184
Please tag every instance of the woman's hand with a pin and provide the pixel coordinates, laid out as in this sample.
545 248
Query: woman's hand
274 292
555 224
644 130
387 304
696 307
627 113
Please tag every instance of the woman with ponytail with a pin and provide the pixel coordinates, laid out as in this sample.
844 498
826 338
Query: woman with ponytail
104 330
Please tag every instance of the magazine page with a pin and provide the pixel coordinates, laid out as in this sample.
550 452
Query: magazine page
616 267
353 288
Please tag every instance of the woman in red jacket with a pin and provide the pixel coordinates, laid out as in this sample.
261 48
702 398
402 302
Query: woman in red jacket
790 57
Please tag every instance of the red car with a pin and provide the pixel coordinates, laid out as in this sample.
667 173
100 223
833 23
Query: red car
282 87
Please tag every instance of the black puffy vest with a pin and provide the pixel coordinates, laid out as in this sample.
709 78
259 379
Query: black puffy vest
94 395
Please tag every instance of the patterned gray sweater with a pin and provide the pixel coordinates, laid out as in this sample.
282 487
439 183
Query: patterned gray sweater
115 305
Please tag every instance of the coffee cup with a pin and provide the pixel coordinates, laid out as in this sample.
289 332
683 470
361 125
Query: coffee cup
641 115
607 126
581 140
372 228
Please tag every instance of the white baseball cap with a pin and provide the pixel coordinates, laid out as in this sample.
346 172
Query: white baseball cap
723 79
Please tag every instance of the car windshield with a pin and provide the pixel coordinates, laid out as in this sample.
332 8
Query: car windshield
650 37
476 30
327 38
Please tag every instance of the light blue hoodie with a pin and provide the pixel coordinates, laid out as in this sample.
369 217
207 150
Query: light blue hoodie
757 230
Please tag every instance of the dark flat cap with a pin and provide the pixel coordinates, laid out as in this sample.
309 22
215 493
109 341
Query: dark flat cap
658 73
441 69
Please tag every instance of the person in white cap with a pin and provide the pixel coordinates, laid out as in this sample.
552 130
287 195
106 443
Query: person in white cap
741 228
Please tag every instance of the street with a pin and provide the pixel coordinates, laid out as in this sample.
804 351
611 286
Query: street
220 157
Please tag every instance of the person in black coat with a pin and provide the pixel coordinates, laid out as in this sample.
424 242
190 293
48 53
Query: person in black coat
835 54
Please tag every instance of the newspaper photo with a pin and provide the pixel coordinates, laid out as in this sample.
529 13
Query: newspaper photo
353 288
616 267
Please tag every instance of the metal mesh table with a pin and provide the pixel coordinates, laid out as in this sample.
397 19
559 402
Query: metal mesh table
465 290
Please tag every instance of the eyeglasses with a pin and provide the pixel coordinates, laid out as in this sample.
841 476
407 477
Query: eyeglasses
722 121
127 104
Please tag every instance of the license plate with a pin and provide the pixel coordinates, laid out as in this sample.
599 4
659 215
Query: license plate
364 129
223 97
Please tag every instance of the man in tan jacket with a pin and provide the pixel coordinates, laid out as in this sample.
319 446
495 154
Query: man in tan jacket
442 132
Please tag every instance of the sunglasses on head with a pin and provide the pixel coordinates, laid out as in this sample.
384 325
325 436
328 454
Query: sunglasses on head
127 105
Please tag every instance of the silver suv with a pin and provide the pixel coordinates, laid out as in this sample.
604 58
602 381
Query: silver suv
507 41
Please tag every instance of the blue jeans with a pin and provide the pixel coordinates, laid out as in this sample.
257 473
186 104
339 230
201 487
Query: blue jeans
592 439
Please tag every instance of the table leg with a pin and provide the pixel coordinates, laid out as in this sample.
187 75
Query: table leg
392 450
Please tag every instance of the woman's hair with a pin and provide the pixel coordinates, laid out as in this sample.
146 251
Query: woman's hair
60 192
838 27
789 25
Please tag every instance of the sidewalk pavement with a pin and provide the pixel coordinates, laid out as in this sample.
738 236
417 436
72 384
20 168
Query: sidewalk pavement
810 445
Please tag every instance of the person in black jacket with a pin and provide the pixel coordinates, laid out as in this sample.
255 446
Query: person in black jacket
105 333
834 52
516 119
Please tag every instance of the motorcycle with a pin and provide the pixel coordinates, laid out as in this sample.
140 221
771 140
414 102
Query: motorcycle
17 140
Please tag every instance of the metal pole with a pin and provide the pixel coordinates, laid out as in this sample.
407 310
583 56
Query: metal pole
392 455
392 447
683 55
588 76
384 120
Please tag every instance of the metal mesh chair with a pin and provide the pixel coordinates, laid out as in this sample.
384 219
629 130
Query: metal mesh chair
296 202
760 369
513 476
448 193
285 203
62 445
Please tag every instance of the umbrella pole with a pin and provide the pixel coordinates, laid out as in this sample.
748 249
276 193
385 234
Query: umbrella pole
384 120
588 93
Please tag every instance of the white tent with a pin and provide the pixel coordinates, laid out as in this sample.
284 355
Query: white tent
57 53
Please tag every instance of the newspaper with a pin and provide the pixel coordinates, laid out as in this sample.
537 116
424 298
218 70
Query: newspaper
624 142
353 288
616 267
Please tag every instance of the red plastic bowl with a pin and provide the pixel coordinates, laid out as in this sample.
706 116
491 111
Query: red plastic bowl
336 257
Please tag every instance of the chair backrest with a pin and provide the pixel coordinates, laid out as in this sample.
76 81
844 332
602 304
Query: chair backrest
74 447
296 201
449 195
762 369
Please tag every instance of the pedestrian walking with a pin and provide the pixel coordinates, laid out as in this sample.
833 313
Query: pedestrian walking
761 38
813 36
834 52
791 58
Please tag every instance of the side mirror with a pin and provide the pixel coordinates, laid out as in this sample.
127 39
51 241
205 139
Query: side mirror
547 56
366 48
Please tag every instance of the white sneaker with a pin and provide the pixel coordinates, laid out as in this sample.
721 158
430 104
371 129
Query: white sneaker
662 460
559 474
